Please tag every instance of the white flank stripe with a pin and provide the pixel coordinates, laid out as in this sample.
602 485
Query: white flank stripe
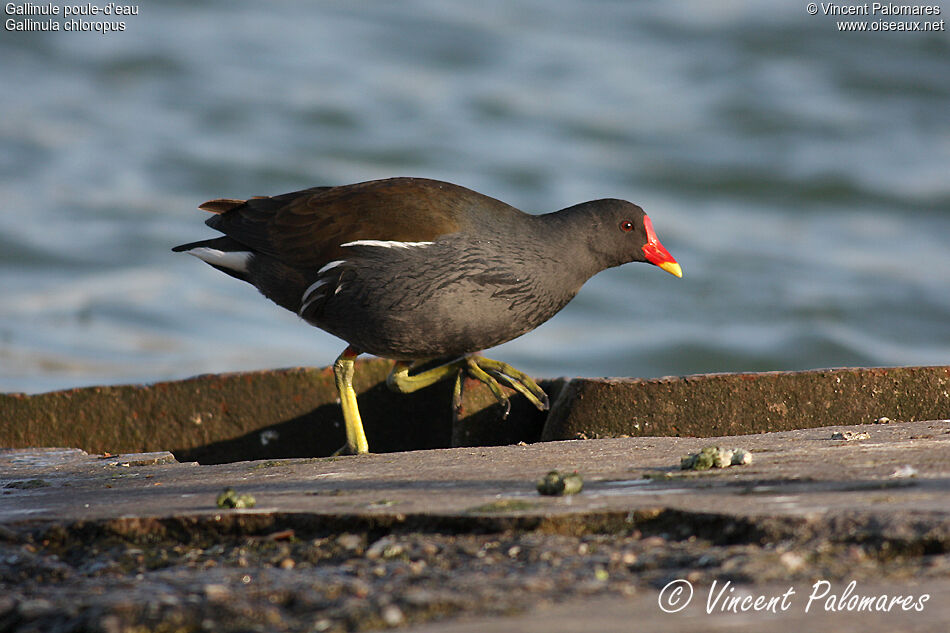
329 266
386 244
234 260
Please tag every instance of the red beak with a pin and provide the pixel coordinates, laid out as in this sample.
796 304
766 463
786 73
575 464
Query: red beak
656 253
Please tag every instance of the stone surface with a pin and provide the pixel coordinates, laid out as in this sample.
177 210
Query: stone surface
902 468
435 538
730 404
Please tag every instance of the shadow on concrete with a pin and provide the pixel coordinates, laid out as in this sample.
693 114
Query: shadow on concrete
320 432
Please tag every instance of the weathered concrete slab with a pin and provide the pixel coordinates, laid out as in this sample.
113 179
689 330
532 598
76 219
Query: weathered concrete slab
260 415
729 404
295 412
367 542
796 474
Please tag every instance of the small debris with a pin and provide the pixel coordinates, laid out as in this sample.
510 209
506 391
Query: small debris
351 542
217 592
716 457
585 435
703 460
230 499
850 436
741 457
904 472
269 435
556 484
157 458
386 548
281 535
883 420
793 561
392 615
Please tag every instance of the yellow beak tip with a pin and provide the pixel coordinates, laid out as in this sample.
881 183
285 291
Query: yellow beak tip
673 268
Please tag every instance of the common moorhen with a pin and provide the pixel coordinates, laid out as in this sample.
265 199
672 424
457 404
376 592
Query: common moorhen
415 269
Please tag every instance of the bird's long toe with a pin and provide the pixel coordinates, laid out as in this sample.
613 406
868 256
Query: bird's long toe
518 380
472 366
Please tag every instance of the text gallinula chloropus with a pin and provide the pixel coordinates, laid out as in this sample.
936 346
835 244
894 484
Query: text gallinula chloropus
415 269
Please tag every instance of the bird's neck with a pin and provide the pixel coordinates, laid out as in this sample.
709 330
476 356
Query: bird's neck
555 248
571 235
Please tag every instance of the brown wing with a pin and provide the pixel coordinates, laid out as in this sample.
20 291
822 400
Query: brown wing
306 228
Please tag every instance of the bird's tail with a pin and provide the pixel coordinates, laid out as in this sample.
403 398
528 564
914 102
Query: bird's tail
227 255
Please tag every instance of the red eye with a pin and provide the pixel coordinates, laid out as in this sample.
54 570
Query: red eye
626 226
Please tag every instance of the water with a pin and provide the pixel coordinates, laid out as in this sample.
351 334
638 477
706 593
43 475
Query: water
800 175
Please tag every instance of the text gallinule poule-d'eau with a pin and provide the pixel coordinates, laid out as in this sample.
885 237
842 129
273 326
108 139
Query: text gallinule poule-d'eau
415 269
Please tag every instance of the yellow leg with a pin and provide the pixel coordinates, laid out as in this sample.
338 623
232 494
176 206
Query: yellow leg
482 369
343 373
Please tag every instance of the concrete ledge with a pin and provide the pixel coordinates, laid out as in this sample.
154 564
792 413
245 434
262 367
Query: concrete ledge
732 404
295 412
258 415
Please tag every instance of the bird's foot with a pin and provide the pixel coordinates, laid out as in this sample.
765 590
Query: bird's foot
483 369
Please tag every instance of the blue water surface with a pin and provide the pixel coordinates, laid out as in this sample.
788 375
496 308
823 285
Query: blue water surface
800 174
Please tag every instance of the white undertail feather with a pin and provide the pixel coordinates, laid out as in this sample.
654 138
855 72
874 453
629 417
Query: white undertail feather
386 243
232 260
